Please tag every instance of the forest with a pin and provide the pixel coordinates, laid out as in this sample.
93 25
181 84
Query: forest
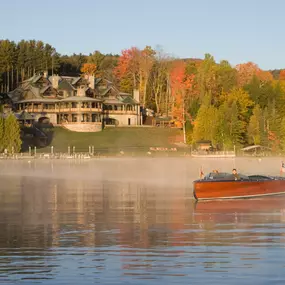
229 105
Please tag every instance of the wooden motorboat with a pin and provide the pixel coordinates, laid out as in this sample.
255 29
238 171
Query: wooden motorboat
224 186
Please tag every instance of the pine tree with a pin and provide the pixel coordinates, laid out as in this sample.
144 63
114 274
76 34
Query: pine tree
11 139
255 127
230 128
206 123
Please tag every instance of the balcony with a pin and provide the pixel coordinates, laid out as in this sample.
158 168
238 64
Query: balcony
120 112
63 110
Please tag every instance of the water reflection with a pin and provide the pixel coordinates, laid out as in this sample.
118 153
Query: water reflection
60 231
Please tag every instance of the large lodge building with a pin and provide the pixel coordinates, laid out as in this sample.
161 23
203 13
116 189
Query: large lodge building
78 103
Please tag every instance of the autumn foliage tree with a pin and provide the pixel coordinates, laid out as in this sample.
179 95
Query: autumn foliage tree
247 70
282 75
128 66
180 82
89 69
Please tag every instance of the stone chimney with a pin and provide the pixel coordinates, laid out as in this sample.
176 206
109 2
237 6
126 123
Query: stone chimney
45 74
55 81
81 91
136 95
91 79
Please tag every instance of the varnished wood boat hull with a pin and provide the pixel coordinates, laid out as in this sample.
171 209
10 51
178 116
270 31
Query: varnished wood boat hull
238 210
209 190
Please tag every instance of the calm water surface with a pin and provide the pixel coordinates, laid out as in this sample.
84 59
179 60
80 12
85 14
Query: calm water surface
62 231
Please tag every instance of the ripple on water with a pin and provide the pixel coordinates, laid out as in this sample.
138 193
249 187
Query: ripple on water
82 232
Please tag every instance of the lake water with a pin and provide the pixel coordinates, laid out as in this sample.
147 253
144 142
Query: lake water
133 222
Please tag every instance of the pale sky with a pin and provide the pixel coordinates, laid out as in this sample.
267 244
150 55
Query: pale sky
238 31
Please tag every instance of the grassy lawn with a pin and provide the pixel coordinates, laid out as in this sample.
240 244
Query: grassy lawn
113 139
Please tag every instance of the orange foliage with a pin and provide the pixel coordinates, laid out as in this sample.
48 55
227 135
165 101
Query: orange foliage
264 75
128 62
89 68
274 139
247 70
282 74
180 83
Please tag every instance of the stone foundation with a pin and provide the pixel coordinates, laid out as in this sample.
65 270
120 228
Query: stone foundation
126 120
83 127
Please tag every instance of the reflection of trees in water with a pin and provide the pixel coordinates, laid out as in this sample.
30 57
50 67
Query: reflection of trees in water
102 214
43 212
39 215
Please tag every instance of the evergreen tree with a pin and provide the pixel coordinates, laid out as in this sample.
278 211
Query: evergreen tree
206 124
230 129
255 126
11 139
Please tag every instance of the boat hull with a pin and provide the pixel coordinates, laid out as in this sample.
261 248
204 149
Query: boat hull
233 211
209 190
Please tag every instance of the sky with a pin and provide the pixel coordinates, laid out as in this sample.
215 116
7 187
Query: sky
236 30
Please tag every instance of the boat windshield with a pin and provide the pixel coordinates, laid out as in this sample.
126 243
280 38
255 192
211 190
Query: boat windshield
224 176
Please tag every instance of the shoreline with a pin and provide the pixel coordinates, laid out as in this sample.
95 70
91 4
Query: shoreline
85 156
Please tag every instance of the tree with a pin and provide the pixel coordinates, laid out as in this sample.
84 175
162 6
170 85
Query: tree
244 103
177 82
206 77
159 80
11 139
128 65
206 123
2 128
226 77
105 63
246 71
230 128
89 69
181 83
282 134
255 125
146 62
282 74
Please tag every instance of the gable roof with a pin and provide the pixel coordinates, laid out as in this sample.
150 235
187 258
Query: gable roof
75 80
104 91
65 85
43 90
25 116
129 100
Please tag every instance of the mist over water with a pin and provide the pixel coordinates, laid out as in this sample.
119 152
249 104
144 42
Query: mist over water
172 172
127 220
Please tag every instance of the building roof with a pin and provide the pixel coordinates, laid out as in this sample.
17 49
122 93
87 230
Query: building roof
33 89
104 91
254 147
75 80
80 99
35 78
43 90
130 100
39 100
65 85
113 101
25 116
